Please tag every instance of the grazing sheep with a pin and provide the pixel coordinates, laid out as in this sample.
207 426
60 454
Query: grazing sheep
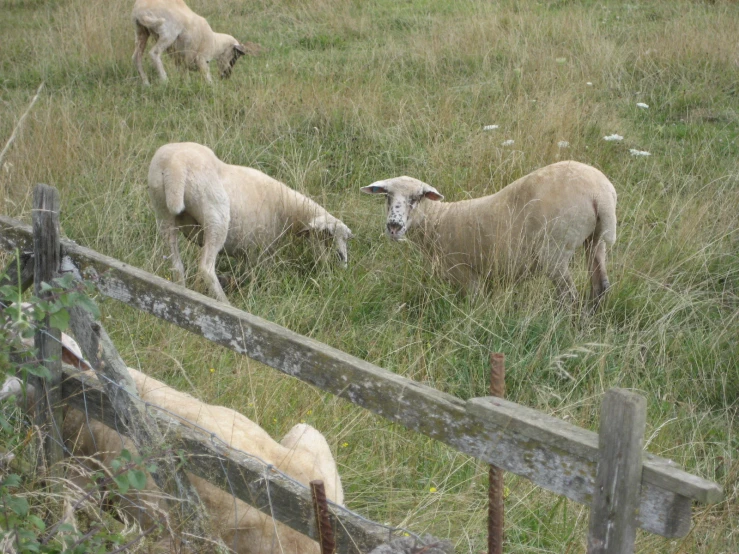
302 454
531 226
186 35
228 206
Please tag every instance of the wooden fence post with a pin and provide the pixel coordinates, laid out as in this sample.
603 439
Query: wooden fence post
46 255
496 506
618 478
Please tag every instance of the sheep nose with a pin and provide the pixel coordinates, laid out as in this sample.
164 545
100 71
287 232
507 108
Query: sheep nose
393 227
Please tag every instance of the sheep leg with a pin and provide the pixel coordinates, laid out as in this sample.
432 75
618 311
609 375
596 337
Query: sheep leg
215 238
164 42
170 231
204 68
142 36
598 276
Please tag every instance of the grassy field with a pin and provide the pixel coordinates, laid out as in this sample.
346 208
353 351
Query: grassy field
351 92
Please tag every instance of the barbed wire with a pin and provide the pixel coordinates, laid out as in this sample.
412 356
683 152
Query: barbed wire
215 440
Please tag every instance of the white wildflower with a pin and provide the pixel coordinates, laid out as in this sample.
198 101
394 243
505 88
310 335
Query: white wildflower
490 127
642 153
611 138
642 105
563 144
589 84
508 142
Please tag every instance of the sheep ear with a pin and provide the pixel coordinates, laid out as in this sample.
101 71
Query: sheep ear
377 187
432 194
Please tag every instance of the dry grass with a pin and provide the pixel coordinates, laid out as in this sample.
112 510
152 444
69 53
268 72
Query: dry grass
352 92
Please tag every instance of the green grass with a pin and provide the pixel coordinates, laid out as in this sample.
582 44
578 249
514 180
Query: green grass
351 92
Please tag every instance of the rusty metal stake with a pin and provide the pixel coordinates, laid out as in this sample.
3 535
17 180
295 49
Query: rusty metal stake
496 507
323 523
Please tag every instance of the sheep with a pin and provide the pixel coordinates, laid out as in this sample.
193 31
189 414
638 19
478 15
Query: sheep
303 454
229 207
186 35
529 227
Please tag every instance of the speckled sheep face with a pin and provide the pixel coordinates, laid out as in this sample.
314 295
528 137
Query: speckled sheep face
403 195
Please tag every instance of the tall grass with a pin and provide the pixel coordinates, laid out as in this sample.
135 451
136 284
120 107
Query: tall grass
351 92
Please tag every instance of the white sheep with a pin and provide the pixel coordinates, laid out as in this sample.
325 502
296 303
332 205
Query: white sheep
303 454
531 226
235 207
186 35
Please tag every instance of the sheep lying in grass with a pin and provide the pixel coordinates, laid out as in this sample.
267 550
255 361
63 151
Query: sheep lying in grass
186 35
302 454
531 226
228 206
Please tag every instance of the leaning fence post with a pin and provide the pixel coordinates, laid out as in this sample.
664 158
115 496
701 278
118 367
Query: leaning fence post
618 477
46 255
496 507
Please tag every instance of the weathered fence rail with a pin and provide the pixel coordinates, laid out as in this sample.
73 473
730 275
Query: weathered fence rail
553 454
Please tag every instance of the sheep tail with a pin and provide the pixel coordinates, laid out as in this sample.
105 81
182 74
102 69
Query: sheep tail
605 227
174 188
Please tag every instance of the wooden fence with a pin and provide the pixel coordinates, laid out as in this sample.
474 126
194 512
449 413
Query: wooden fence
625 487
